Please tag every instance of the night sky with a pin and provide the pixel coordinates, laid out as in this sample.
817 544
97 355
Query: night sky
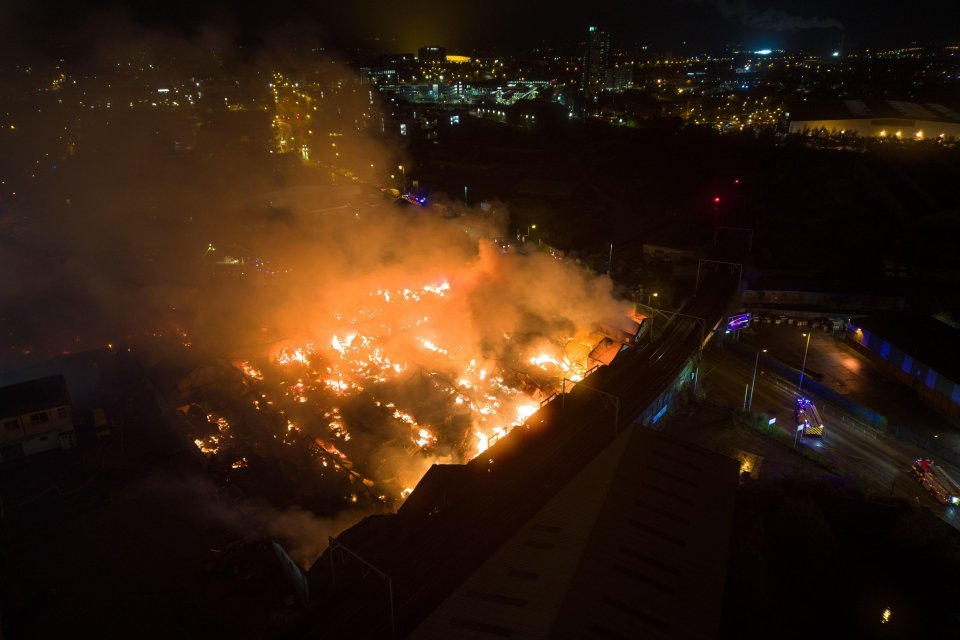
497 25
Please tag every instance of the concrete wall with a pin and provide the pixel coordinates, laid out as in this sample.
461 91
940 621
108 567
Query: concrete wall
931 385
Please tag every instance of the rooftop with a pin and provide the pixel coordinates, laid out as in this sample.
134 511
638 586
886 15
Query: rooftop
877 109
634 546
33 395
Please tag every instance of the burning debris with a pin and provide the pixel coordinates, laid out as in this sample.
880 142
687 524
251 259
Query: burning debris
395 387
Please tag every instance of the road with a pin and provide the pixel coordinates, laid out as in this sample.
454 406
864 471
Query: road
838 366
852 445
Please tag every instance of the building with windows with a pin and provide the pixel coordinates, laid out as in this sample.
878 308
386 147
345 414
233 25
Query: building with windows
596 59
35 417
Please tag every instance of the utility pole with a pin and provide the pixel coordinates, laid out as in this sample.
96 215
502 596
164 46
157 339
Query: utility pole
803 366
753 383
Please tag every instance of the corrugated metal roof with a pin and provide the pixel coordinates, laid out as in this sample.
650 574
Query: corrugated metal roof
873 108
634 546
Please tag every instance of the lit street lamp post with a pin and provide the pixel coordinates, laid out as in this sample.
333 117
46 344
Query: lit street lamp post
652 295
403 177
803 366
753 383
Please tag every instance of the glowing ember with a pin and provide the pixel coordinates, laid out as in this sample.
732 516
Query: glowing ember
300 354
250 371
383 346
524 411
440 289
483 442
222 425
425 438
209 445
432 347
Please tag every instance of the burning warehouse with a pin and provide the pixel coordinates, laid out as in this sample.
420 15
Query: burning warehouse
388 393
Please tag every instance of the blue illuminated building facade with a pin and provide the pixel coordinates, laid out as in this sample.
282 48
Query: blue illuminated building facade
915 349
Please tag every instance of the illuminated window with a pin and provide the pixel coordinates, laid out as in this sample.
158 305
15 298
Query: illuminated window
907 364
885 350
931 378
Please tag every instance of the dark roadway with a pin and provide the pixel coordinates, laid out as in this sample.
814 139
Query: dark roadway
850 374
868 455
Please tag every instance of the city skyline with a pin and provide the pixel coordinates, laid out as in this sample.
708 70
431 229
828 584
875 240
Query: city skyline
681 27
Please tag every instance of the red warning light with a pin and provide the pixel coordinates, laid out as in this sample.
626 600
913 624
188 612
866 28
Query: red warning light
716 200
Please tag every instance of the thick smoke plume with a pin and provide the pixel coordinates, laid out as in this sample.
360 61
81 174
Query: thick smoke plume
163 196
304 535
124 230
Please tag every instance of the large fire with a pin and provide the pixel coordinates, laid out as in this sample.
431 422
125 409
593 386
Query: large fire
363 359
391 355
395 378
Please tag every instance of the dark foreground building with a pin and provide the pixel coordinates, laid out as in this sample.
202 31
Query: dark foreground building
633 544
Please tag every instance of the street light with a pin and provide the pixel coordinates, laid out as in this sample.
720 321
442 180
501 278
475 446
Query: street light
753 383
403 175
652 295
804 365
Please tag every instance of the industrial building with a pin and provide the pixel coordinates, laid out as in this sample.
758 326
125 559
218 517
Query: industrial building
634 546
36 417
892 119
